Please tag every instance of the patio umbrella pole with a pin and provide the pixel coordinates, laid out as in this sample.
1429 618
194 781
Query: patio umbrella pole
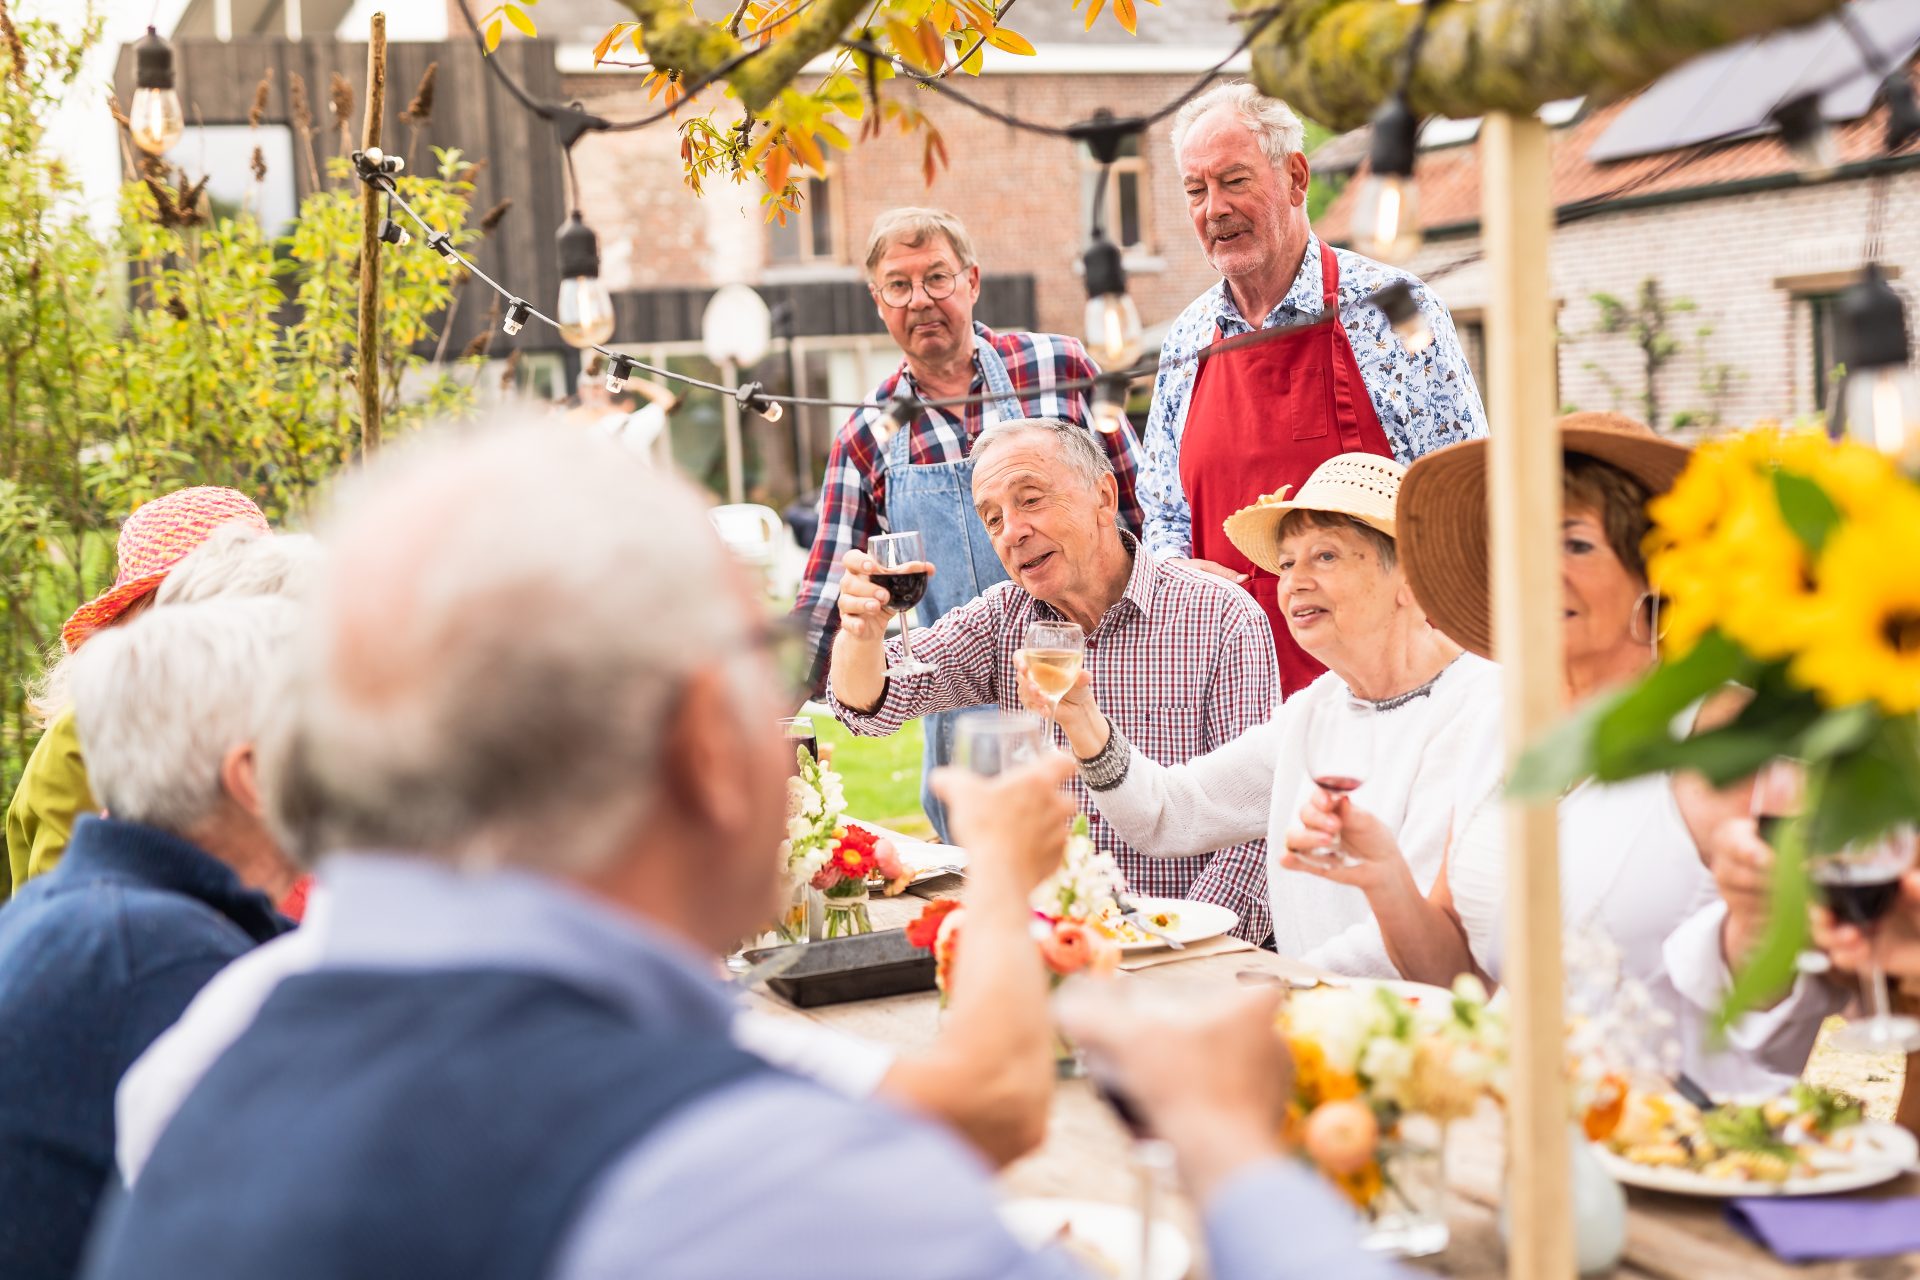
1523 492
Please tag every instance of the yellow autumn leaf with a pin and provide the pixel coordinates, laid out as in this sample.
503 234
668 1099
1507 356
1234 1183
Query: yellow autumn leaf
941 15
525 26
493 35
779 161
906 42
806 149
932 47
1009 41
1123 12
1093 11
979 16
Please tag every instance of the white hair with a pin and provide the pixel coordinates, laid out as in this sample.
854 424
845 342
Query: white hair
1270 120
1074 443
502 631
239 560
160 701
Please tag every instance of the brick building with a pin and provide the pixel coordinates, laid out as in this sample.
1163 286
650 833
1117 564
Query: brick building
1744 257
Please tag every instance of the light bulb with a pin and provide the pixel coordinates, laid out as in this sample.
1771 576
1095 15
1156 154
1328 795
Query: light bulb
1109 403
1803 128
1403 312
1386 217
772 410
1113 330
518 313
156 120
585 312
1881 407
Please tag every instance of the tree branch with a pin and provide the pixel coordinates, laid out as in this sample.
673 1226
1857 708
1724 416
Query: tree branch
1334 60
677 41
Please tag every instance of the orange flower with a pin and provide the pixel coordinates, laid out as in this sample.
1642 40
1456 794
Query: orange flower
1362 1186
1066 947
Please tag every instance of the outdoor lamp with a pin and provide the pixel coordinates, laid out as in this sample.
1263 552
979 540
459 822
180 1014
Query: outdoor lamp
1386 212
1113 322
1878 399
1805 132
902 409
1397 303
518 313
393 233
585 313
753 397
1903 111
619 369
156 119
1110 402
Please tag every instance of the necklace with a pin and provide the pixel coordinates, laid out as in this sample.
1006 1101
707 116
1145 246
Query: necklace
1402 699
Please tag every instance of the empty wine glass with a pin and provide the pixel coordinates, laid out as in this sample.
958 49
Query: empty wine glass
1054 652
903 574
1339 749
991 742
1859 884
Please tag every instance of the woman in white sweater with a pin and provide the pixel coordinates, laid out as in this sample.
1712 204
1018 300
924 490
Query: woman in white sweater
1421 698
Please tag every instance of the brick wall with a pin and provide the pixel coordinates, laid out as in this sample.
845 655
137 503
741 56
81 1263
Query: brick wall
1747 262
1018 193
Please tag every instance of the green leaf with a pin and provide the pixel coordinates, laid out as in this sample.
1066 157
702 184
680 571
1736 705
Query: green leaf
1807 509
1635 736
1769 968
1838 732
1561 758
1870 791
525 24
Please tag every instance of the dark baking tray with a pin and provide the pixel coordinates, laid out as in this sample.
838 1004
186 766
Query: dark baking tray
863 967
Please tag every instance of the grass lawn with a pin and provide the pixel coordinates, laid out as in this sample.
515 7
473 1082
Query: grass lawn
882 775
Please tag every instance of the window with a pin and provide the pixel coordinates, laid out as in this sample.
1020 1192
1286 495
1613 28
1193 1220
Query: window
1123 216
225 153
808 234
1825 360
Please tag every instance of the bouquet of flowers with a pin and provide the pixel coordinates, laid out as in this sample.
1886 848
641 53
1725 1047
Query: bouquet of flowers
1366 1059
1066 907
1785 561
825 853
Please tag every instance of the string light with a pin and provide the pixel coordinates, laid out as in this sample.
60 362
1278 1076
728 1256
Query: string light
1878 399
585 315
1803 127
754 398
155 120
1110 402
1402 309
518 313
1386 212
619 369
393 233
1113 322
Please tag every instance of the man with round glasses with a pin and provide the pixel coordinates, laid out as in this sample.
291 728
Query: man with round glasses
883 476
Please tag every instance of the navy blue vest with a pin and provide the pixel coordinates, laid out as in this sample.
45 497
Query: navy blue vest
444 1125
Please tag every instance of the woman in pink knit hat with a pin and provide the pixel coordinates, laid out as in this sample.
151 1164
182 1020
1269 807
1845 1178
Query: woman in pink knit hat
53 790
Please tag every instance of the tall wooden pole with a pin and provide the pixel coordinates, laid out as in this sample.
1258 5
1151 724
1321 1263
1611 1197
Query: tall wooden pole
1523 492
368 369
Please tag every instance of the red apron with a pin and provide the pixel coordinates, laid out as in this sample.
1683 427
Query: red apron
1265 415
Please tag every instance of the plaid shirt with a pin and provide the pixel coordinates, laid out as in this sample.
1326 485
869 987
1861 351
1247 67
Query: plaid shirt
853 496
1183 663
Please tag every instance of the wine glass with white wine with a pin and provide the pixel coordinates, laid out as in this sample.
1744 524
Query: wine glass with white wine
1054 652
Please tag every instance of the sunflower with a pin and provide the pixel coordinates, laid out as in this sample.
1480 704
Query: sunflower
1863 632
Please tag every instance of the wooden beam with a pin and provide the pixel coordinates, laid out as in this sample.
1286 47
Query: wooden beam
367 370
1523 490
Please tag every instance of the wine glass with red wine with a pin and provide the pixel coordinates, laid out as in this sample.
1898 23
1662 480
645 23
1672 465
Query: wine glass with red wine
903 574
1339 749
1859 884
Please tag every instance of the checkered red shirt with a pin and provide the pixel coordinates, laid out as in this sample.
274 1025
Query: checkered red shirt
853 494
1182 664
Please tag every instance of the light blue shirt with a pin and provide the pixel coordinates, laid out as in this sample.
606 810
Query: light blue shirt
774 1175
1423 401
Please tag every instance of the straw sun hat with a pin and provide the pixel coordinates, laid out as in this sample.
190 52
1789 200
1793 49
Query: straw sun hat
156 537
1443 515
1361 485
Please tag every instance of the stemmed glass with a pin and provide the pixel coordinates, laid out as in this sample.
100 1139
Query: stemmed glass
903 573
1339 749
1054 652
990 743
1859 884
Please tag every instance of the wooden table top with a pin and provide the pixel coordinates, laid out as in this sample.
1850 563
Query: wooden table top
1085 1155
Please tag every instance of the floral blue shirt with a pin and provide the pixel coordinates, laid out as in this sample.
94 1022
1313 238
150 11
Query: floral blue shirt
1424 402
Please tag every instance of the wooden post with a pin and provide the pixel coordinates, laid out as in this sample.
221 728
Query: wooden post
1523 492
730 427
368 369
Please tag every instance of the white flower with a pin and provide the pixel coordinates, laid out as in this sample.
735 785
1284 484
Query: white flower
1386 1063
799 830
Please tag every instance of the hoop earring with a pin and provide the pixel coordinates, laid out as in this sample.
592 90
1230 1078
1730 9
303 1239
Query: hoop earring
1655 632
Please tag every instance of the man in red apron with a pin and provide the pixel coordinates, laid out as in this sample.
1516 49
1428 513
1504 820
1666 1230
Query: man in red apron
1237 415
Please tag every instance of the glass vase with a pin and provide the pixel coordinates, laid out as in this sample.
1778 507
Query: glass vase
846 914
1406 1214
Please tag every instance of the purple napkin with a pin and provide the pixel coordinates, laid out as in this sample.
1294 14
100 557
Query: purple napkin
1811 1228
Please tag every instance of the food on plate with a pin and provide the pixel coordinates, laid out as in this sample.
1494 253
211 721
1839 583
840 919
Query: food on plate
1795 1134
1116 926
1090 1256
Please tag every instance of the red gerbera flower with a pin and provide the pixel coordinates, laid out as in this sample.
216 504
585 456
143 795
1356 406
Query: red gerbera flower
923 931
854 856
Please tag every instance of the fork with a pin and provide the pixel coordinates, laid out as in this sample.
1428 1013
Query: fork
1131 913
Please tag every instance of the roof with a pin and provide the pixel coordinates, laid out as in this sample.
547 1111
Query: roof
1448 179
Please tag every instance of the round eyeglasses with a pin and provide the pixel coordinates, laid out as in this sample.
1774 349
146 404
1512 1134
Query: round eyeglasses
937 285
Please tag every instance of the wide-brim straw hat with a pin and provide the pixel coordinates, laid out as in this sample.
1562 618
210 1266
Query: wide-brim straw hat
155 538
1361 485
1443 515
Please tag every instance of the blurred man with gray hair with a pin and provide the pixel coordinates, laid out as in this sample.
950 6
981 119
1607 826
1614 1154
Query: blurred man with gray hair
533 722
1235 418
1180 658
101 954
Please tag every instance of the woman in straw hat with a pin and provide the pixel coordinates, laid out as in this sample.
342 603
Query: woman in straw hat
53 788
1393 682
1632 866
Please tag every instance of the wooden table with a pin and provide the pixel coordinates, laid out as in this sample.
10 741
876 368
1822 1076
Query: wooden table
1086 1152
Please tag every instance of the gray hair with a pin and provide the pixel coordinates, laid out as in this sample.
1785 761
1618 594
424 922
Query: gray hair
242 561
1074 443
914 226
503 628
1270 120
160 701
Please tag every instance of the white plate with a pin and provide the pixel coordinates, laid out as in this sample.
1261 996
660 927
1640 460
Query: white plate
1197 921
925 859
1110 1231
1417 992
1879 1153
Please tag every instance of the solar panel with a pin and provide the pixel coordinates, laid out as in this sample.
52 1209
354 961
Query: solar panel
1730 92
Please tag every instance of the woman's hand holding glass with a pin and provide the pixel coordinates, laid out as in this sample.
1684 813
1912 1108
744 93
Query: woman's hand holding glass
1366 854
1077 713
